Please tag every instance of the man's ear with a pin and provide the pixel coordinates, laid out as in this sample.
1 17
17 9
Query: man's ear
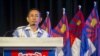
27 19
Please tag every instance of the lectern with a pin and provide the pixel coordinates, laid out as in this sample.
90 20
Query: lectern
30 46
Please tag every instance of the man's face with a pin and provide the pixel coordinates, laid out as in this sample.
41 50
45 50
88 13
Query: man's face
34 17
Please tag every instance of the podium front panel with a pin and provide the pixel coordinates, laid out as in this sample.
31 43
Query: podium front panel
30 46
29 53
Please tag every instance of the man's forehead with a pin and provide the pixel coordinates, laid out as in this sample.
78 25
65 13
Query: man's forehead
35 11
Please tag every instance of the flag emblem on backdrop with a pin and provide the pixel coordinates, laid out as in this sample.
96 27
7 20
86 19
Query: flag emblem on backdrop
47 24
77 23
62 30
75 30
91 34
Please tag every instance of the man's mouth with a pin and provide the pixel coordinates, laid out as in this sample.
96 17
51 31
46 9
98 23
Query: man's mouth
34 21
33 24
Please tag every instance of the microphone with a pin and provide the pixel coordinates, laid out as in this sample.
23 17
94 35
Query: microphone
32 24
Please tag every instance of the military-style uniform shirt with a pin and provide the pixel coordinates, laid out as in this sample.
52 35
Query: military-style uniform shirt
26 31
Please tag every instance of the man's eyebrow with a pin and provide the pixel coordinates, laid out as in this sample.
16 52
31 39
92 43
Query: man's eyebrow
37 14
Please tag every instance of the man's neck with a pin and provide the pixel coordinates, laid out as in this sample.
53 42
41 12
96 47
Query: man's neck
34 27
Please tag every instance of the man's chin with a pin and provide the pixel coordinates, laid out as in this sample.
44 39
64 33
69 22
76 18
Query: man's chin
32 24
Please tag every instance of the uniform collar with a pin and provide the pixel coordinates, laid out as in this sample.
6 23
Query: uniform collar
29 28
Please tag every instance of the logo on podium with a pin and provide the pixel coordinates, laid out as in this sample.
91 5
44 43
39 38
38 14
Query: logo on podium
30 54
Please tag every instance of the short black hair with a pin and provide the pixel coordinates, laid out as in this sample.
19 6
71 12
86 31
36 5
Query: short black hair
34 9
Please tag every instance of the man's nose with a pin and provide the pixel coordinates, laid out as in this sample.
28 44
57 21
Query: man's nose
34 18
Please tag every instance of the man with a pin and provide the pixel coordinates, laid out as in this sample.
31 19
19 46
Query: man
32 29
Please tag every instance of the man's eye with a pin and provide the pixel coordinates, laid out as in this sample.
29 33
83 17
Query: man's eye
36 15
31 15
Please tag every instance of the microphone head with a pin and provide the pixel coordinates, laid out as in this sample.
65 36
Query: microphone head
32 24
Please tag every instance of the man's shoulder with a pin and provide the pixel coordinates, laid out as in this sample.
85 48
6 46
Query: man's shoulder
45 33
21 27
42 30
